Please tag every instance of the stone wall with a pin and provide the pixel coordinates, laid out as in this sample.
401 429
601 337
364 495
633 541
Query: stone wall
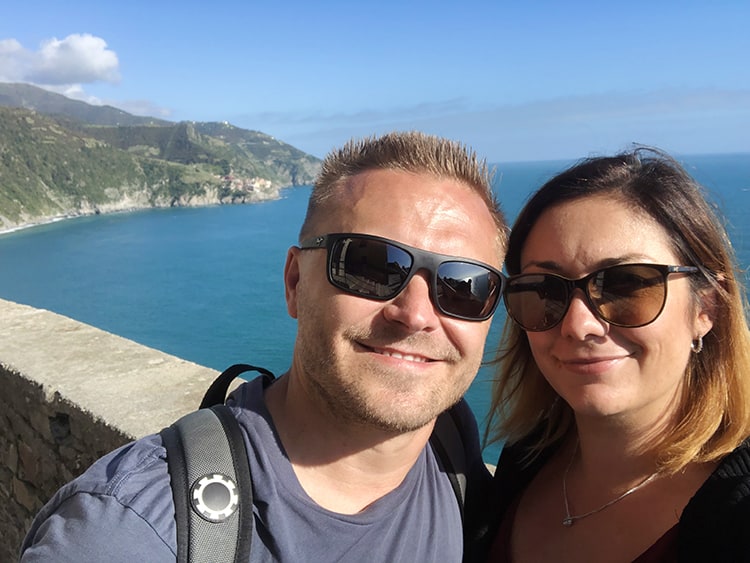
68 394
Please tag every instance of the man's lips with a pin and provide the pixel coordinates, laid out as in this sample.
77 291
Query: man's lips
407 356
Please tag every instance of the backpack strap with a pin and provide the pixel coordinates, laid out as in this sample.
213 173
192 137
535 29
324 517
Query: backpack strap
447 442
211 486
210 477
216 394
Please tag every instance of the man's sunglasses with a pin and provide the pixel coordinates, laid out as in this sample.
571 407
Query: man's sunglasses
379 268
626 295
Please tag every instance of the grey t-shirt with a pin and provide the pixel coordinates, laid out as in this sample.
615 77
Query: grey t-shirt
121 508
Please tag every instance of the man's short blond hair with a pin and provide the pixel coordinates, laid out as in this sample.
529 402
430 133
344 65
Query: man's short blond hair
412 152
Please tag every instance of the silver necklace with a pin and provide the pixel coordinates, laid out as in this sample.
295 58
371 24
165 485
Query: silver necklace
570 519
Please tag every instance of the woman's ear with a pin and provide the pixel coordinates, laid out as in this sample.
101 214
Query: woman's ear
706 312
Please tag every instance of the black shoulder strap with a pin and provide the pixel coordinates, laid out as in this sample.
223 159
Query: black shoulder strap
210 477
211 486
448 444
217 391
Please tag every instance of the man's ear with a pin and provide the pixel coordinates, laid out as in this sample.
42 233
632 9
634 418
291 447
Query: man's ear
291 280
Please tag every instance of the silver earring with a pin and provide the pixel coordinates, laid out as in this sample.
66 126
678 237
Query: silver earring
697 345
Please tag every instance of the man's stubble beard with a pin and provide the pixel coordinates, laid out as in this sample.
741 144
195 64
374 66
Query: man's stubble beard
347 399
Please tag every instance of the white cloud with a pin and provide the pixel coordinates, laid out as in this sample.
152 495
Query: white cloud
143 107
136 107
66 66
75 92
77 59
14 59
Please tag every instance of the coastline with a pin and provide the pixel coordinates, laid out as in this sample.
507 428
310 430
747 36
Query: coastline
113 209
24 226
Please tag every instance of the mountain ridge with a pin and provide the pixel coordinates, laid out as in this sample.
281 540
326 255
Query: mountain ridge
61 157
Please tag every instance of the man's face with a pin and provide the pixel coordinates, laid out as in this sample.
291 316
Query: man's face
393 364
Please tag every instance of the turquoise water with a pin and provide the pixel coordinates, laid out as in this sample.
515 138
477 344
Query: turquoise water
206 284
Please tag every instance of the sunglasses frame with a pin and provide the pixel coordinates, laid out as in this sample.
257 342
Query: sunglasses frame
420 260
583 284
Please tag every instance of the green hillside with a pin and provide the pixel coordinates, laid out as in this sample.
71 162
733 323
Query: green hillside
53 164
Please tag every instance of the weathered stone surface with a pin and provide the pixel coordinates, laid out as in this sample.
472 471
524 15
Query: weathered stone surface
70 394
24 495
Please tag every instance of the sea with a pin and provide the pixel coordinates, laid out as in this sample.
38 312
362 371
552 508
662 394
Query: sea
205 284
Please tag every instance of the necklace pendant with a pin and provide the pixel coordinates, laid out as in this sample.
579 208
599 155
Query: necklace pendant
570 518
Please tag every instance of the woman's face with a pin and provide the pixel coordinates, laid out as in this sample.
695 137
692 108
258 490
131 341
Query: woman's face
603 370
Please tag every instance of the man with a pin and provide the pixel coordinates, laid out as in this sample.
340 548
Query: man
393 286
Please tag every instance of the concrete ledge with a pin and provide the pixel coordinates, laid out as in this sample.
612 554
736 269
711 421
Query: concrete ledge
70 394
136 389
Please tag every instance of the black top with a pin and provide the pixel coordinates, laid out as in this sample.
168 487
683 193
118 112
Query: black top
715 525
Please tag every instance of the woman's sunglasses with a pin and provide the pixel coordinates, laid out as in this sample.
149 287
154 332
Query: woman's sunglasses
626 295
379 268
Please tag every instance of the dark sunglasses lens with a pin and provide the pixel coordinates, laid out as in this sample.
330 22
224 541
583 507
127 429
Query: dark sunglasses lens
536 301
628 295
369 267
467 290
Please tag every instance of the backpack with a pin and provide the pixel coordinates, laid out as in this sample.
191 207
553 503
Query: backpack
211 482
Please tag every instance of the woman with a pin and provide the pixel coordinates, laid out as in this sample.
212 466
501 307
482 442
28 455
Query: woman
623 391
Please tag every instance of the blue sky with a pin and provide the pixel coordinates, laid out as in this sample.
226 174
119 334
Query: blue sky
532 80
